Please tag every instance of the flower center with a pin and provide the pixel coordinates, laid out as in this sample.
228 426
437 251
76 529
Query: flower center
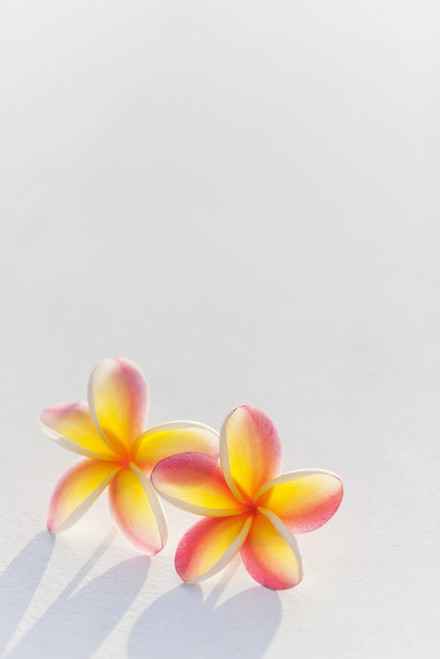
251 508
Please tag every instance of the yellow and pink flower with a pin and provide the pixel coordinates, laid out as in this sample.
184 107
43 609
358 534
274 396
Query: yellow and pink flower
249 508
110 432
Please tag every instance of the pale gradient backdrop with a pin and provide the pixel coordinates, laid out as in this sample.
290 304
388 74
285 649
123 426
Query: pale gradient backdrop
242 197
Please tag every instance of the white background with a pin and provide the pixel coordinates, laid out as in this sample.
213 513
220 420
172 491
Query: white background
241 196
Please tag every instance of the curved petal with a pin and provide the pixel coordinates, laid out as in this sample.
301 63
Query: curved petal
71 426
250 451
170 438
270 553
118 401
80 486
209 546
195 482
303 499
137 510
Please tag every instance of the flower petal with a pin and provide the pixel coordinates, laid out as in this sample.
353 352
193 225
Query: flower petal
80 486
170 438
270 553
137 510
209 546
250 451
71 426
303 499
118 400
195 482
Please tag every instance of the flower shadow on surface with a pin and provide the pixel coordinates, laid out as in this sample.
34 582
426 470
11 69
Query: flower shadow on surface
183 624
19 582
78 622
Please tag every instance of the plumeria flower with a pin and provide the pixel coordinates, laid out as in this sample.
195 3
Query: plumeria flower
110 432
248 507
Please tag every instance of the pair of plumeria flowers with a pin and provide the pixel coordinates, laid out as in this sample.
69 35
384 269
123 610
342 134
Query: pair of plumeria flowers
232 479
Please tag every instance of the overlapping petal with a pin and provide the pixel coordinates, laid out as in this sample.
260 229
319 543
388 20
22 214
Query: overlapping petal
77 490
118 400
250 451
71 426
303 499
209 545
195 482
137 510
168 439
270 553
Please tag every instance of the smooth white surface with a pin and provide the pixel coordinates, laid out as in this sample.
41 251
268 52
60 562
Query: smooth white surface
243 198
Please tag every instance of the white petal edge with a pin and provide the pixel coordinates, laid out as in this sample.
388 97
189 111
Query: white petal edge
286 535
155 503
91 403
68 444
171 425
86 504
224 461
229 554
197 510
291 476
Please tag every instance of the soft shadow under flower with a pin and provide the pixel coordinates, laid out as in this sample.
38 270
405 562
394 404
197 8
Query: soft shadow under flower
182 624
